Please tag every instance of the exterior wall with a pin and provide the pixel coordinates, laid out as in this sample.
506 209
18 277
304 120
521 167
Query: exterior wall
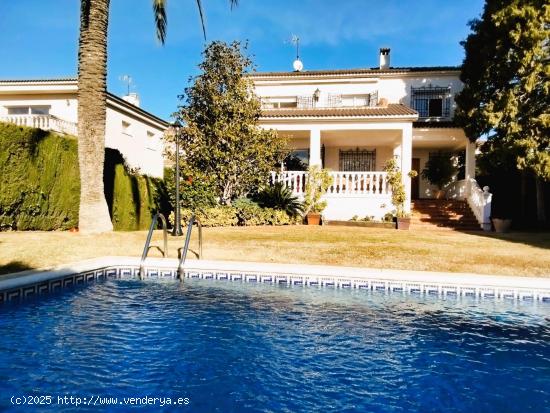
346 207
142 152
64 106
425 190
394 87
398 89
332 159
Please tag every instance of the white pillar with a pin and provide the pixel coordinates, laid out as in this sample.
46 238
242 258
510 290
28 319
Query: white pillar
406 162
470 161
315 147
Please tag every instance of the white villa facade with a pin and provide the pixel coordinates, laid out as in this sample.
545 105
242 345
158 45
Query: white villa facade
353 121
52 105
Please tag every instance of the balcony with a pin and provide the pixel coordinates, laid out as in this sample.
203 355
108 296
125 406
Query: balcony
45 122
317 101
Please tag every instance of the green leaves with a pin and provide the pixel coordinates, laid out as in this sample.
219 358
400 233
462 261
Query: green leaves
222 141
506 73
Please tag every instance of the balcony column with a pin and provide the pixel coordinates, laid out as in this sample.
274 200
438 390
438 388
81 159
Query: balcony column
315 147
406 162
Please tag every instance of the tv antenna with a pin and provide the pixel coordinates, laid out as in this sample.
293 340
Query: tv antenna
297 64
127 79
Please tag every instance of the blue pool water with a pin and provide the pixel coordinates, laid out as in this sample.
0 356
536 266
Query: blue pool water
232 347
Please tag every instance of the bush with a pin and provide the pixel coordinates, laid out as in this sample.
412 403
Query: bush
194 193
243 212
280 197
39 180
439 170
40 183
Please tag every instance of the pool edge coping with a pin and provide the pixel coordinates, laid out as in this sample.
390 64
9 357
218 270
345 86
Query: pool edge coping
36 276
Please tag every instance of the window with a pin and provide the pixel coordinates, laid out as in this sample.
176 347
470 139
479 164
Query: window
431 101
126 128
25 110
357 160
40 110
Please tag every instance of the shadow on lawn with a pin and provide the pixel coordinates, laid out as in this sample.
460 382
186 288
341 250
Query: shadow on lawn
538 239
13 266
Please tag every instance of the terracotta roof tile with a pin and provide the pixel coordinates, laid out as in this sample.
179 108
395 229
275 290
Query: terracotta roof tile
358 71
392 110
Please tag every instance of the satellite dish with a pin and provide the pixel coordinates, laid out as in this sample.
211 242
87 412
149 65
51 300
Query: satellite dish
298 65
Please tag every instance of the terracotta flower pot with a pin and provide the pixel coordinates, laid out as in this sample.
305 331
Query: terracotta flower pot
313 219
403 223
502 225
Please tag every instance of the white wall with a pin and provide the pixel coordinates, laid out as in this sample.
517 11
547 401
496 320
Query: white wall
346 207
63 106
141 152
394 87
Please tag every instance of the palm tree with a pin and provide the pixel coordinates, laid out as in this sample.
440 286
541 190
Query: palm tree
92 91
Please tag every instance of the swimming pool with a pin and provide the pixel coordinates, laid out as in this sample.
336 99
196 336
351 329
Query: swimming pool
237 347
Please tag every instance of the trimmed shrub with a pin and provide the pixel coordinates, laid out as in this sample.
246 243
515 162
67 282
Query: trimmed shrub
40 182
39 179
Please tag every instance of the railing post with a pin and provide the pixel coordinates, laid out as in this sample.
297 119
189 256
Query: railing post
487 200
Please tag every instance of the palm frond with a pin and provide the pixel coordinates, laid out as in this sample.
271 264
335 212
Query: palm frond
159 10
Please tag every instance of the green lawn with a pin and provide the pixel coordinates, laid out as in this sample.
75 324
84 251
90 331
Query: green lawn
509 254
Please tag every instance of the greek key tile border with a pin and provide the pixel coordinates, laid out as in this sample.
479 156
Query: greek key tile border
442 289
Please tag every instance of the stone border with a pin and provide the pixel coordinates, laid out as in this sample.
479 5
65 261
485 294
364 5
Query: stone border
38 282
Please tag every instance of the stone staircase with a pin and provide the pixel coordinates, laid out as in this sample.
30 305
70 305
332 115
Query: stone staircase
443 214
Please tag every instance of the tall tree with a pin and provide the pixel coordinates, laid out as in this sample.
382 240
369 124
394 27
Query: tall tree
92 93
223 144
506 75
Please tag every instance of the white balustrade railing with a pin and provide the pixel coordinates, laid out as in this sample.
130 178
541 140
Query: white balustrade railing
479 201
294 180
45 122
360 183
343 183
457 190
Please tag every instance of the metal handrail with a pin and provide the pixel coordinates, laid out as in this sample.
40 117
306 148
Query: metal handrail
185 247
147 246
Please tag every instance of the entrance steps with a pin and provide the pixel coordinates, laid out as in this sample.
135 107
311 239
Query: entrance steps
443 214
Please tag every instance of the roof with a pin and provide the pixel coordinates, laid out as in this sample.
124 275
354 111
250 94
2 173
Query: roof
358 71
391 110
55 79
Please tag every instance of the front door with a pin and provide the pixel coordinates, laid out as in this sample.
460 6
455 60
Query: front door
415 191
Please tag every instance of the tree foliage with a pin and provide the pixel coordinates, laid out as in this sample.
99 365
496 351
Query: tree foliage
506 73
222 142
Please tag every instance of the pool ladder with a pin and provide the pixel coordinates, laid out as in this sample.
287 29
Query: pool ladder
182 252
148 245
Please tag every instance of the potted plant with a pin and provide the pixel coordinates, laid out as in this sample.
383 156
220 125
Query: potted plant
318 182
502 224
439 171
398 196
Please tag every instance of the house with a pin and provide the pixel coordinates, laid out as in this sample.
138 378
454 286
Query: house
52 105
352 121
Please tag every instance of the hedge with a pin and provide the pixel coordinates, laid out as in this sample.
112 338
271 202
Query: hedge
40 185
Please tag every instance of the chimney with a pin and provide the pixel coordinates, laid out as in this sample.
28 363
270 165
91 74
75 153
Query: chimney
132 98
384 58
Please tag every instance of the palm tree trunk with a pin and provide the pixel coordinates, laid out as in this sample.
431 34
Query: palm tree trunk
92 107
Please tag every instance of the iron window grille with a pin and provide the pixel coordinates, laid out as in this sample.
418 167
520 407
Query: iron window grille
357 160
431 101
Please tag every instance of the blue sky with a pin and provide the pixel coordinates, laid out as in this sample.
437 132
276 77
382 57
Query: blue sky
39 39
